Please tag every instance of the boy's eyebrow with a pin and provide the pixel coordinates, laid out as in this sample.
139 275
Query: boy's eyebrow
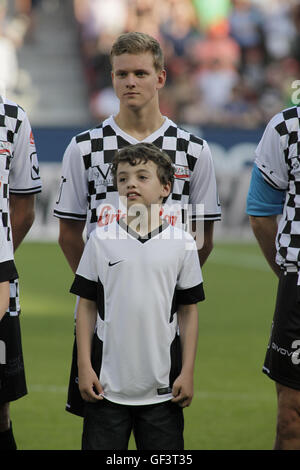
139 170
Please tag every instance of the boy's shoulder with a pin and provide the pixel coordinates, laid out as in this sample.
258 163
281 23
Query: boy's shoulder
102 130
180 236
186 135
108 230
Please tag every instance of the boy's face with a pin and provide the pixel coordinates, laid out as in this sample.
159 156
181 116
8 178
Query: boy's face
140 184
135 79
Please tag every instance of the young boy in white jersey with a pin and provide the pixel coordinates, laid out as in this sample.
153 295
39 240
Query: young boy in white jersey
143 278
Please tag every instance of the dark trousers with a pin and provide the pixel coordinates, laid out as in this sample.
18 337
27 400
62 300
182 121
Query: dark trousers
108 426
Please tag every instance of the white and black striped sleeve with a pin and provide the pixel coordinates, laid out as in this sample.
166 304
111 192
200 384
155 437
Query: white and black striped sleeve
203 185
189 289
270 157
72 200
24 177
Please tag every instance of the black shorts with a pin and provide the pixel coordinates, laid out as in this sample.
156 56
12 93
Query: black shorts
75 403
12 374
107 426
282 362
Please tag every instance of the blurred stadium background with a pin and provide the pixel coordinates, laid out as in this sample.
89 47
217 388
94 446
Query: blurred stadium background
231 65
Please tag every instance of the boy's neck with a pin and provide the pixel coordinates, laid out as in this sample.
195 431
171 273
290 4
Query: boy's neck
144 224
139 124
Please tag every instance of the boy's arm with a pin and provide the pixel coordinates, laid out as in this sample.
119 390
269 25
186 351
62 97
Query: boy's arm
4 298
89 385
183 387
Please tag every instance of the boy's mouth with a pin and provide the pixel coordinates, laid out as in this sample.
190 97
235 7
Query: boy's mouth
132 194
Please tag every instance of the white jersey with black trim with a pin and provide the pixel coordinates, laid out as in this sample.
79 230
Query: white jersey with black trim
137 284
278 159
86 180
19 174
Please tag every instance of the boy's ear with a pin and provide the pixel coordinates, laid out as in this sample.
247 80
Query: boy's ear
166 189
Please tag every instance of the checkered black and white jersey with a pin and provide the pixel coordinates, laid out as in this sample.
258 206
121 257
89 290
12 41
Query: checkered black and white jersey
19 173
278 159
86 180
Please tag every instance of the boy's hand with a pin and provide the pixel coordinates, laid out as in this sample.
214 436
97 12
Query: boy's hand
183 390
89 386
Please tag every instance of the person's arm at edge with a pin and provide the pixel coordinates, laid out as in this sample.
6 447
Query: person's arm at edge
208 245
183 387
21 216
89 385
4 298
71 240
264 205
265 230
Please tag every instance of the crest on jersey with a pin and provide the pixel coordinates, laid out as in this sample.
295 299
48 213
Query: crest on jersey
100 177
4 149
181 172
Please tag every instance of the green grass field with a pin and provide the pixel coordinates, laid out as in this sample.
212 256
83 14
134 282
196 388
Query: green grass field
234 407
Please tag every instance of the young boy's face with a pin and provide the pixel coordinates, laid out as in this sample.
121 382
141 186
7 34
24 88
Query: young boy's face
135 79
140 184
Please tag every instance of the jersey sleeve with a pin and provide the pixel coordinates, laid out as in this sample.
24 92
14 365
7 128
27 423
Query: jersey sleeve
203 186
263 199
270 158
24 176
189 289
73 193
86 278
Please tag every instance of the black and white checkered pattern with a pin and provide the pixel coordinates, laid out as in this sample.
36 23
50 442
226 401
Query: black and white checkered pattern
90 154
18 175
278 159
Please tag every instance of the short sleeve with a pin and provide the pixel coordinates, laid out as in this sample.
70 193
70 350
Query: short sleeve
263 199
203 185
270 158
24 176
72 199
189 289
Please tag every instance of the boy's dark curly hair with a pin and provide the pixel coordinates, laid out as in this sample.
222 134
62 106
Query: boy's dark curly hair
141 153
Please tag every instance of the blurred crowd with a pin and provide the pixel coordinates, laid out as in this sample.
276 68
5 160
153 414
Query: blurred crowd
228 62
17 24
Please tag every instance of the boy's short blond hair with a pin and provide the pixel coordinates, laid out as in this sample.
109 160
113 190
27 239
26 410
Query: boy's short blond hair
142 153
138 43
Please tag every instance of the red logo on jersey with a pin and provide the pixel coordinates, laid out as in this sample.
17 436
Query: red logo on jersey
181 172
4 152
108 214
31 138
